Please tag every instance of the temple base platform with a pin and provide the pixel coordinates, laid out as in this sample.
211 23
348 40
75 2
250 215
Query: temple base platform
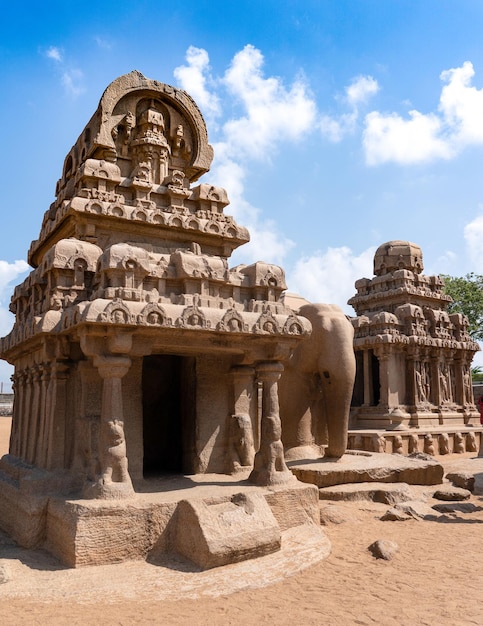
208 519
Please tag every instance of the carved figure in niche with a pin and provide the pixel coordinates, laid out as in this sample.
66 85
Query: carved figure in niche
234 324
413 444
179 143
443 441
270 457
429 444
122 133
459 443
308 410
397 445
194 320
241 447
57 301
70 298
113 453
470 442
118 316
154 318
268 327
379 443
467 387
443 384
420 391
176 180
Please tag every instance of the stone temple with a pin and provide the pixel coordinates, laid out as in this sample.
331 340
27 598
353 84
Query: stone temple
413 361
138 352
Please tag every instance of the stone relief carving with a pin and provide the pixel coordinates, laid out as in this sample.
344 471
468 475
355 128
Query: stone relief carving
241 445
429 444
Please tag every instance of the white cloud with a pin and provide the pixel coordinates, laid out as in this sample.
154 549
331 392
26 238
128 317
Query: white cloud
461 105
54 53
272 112
361 89
330 276
473 234
458 123
194 79
270 115
444 264
392 138
72 81
357 93
8 273
103 43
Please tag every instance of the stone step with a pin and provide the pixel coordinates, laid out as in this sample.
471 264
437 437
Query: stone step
387 493
369 467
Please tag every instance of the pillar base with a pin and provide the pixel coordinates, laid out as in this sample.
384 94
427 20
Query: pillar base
107 491
266 478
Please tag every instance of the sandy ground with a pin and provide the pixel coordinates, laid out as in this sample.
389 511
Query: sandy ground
436 577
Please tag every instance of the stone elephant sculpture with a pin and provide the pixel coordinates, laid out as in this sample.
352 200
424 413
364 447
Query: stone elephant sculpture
315 389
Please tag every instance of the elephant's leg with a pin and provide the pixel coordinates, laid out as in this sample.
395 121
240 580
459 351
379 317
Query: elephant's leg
295 396
337 384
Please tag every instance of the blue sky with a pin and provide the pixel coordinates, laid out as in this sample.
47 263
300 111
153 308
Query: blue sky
337 125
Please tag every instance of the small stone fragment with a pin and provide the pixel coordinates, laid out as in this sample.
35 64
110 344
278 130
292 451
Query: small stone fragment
393 515
478 487
5 573
417 510
465 480
457 507
450 493
384 549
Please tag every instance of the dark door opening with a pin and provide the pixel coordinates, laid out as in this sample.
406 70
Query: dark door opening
169 394
376 385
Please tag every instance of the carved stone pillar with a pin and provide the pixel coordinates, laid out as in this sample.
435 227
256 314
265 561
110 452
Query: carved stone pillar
114 481
34 410
41 452
15 431
241 450
56 410
269 466
383 358
23 412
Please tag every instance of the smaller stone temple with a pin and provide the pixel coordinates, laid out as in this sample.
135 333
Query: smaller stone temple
413 359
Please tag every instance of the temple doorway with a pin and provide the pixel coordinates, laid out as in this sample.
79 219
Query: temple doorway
169 409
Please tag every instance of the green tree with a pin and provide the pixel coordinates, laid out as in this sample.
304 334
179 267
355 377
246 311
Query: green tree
467 294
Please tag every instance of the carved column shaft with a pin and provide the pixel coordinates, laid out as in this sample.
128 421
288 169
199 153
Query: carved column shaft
269 466
34 410
114 480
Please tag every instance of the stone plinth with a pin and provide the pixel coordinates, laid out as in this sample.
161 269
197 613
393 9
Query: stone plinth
83 532
370 467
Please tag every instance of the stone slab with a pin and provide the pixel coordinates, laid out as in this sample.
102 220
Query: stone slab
387 493
211 534
369 467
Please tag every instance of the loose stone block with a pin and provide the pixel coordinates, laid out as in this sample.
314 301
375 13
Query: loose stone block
370 468
375 492
218 533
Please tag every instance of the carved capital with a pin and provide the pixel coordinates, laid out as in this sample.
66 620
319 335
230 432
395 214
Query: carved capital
112 366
